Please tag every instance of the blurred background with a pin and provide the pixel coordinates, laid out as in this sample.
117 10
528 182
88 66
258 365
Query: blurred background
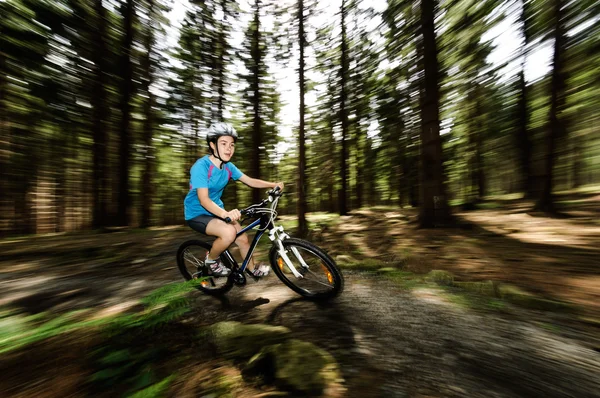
353 103
395 114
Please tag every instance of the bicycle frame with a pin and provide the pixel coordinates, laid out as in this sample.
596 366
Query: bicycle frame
253 245
276 234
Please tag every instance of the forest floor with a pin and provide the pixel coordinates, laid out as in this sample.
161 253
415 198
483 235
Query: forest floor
393 334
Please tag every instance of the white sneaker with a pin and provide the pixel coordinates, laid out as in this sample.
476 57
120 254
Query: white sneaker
217 268
261 270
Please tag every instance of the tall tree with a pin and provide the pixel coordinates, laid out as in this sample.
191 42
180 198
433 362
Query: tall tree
202 53
343 206
100 117
398 101
256 71
221 57
301 183
434 208
127 78
150 63
557 102
523 140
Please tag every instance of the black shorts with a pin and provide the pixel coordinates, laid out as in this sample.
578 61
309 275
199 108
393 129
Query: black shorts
200 222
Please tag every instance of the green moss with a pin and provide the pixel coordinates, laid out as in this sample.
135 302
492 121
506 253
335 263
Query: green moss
295 365
441 277
487 288
155 390
474 301
237 340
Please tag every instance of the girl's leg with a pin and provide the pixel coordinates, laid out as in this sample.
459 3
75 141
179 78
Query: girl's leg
243 244
225 234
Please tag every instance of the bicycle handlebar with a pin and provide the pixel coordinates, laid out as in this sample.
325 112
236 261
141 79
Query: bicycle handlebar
273 192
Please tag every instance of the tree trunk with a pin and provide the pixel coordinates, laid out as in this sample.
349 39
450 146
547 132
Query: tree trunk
434 205
125 106
360 178
476 172
256 100
400 175
555 128
368 173
301 204
98 100
147 186
523 140
344 115
5 198
577 157
222 49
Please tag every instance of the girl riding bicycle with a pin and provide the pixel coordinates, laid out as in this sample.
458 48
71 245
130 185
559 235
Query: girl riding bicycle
204 209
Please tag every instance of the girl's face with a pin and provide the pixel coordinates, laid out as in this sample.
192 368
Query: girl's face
226 147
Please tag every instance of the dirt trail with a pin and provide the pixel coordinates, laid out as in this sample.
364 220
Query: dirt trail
390 341
393 342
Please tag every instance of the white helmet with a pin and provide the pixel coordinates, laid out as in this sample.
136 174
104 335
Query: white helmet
217 130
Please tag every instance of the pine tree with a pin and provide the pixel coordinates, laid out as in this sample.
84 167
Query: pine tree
434 208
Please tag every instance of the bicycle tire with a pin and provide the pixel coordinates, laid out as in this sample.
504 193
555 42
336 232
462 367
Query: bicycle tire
310 254
191 254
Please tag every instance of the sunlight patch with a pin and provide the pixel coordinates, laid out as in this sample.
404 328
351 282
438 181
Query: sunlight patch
114 309
430 296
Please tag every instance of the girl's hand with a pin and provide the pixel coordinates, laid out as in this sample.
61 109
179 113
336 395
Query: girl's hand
234 215
280 185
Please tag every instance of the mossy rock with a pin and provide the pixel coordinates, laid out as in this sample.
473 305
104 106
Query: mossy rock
387 270
506 291
345 259
367 264
235 340
441 277
487 288
296 366
517 296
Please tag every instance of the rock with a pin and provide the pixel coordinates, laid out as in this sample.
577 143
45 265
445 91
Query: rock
487 288
387 270
506 291
240 341
519 297
441 277
297 366
344 259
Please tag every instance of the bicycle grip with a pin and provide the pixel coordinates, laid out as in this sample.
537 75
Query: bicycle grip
227 220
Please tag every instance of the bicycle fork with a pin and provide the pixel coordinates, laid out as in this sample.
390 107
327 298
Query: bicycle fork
277 234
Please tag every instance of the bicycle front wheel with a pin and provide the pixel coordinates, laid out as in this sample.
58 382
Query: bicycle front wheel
190 261
318 277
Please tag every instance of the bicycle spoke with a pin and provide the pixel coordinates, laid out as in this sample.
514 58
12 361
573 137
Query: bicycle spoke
319 277
189 256
190 261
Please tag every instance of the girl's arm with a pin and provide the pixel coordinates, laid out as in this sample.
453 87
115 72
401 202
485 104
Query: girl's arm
256 183
213 208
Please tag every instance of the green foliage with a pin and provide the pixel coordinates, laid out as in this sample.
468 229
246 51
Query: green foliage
130 367
19 330
475 301
161 307
156 390
130 357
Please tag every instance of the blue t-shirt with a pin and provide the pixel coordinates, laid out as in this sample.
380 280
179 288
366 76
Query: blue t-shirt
204 174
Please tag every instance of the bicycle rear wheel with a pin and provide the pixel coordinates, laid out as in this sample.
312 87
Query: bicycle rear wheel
190 261
320 278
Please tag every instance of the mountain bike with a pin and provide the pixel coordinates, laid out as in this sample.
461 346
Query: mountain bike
299 264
